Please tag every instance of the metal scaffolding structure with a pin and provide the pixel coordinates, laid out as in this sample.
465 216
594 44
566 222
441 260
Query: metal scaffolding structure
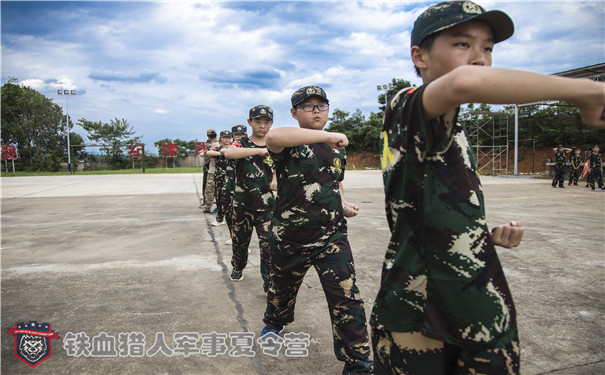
489 135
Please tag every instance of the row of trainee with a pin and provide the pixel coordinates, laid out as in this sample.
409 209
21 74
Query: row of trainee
443 305
592 170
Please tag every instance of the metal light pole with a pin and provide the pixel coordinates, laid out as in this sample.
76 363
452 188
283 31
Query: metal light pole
386 89
67 93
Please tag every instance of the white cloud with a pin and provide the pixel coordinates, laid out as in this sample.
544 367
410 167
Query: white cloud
207 63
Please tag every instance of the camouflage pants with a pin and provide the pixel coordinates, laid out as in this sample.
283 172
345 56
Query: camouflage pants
244 222
209 192
223 199
595 175
336 271
414 353
559 175
574 175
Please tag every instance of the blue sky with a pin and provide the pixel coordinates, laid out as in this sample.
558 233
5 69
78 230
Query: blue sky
175 69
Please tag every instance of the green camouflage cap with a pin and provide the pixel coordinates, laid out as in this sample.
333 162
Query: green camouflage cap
225 133
303 93
444 15
238 129
260 111
211 132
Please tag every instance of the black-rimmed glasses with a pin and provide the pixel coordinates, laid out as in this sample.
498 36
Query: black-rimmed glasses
311 107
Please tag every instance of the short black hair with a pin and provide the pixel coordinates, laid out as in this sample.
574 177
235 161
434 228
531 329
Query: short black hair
426 44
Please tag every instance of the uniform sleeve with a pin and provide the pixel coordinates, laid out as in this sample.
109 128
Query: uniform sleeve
405 116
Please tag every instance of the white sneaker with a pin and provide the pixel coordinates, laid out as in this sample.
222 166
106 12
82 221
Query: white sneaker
217 223
229 242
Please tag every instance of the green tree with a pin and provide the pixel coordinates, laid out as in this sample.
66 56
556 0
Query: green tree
398 85
114 136
363 134
185 148
35 125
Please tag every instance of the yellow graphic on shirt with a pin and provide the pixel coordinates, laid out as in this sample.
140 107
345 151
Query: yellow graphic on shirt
387 156
337 165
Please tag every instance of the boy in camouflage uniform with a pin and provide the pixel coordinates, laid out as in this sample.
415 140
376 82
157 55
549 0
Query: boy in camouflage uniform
577 163
596 168
444 305
238 132
309 228
560 159
209 169
222 202
253 199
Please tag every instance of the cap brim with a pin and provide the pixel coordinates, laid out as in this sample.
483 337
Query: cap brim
501 24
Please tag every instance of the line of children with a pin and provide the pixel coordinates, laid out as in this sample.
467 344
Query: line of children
444 305
593 159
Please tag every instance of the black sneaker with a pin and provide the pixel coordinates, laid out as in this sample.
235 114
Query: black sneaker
237 275
562 187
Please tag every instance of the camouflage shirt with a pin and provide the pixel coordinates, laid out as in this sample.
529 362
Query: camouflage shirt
441 274
577 160
220 163
595 161
308 210
229 185
560 158
253 176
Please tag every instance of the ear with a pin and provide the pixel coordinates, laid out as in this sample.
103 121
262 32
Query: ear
249 122
419 57
293 113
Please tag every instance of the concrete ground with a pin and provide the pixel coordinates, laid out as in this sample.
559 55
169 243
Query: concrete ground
134 254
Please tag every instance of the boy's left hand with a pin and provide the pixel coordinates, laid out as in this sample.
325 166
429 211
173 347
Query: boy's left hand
508 236
349 209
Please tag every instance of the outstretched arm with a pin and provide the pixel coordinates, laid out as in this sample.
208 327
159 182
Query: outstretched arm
280 138
482 84
234 152
507 236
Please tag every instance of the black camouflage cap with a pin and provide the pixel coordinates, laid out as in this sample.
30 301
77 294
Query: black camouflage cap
225 133
238 129
444 15
303 93
260 111
211 132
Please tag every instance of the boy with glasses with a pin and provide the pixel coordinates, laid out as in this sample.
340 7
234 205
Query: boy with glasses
308 228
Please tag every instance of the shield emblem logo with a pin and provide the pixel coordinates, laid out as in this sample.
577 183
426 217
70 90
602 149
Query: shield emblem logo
33 342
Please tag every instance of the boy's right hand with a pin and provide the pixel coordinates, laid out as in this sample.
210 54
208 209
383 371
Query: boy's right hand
263 151
337 140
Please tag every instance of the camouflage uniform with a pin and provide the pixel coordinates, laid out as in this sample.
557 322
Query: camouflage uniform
253 203
574 173
220 175
308 228
209 188
559 168
595 173
441 275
